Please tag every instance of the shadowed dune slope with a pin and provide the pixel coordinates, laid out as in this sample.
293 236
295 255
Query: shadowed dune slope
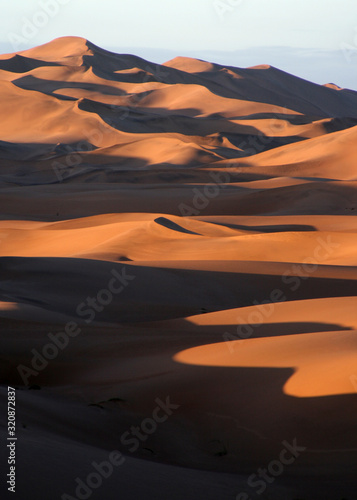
182 231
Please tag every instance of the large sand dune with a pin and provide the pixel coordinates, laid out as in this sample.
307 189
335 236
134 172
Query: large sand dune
191 228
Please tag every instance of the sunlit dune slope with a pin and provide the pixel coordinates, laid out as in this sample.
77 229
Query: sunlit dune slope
184 230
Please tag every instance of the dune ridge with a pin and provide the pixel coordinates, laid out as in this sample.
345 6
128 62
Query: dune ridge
223 202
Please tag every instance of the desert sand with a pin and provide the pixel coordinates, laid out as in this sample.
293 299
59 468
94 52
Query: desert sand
209 214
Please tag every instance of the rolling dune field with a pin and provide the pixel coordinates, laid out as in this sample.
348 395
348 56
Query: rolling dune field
178 278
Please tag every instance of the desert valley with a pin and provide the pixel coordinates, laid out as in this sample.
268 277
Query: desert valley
178 278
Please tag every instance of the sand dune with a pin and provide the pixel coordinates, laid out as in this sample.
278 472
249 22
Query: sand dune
192 227
153 237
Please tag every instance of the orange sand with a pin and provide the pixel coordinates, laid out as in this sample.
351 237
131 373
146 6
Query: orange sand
229 196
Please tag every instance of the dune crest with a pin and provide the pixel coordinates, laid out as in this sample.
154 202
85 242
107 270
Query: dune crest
184 231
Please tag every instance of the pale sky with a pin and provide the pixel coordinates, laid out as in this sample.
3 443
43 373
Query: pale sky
295 35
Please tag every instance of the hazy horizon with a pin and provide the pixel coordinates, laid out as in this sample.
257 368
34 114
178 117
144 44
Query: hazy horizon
316 65
313 40
178 292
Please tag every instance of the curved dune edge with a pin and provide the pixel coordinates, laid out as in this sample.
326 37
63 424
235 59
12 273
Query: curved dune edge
224 200
324 363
